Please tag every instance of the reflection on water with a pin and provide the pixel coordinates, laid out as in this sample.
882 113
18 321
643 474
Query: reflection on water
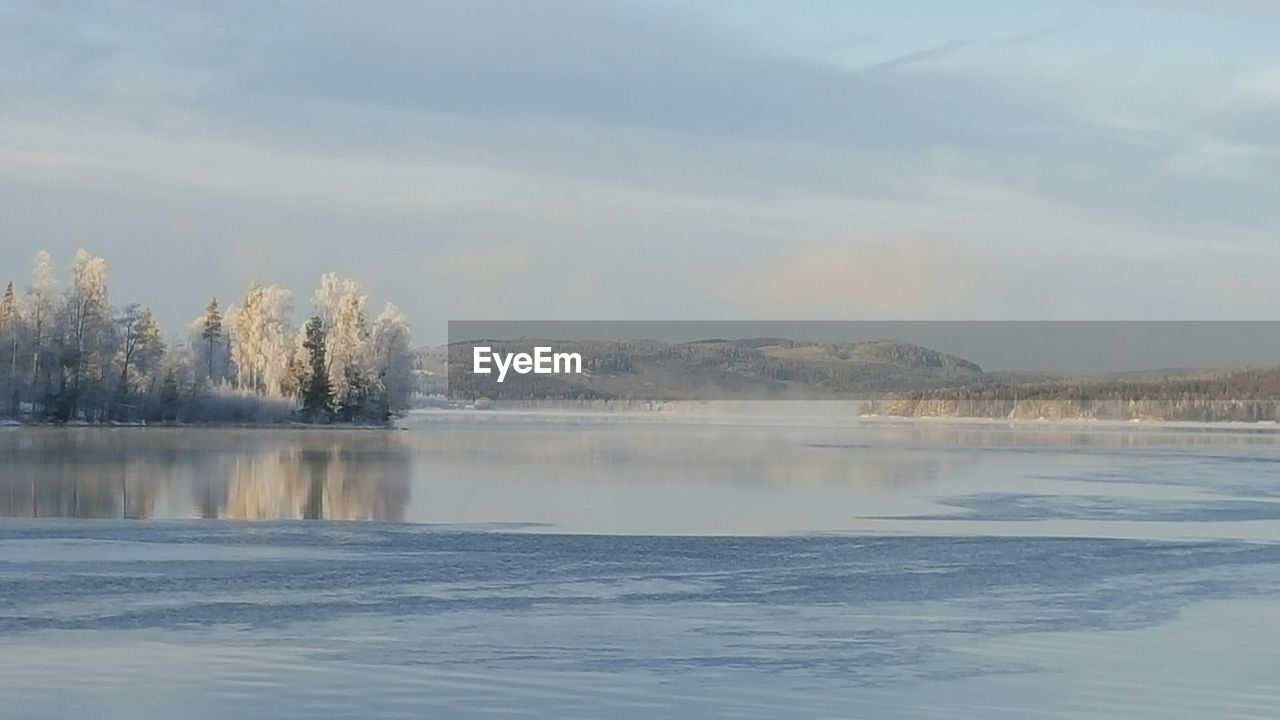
235 474
663 474
994 571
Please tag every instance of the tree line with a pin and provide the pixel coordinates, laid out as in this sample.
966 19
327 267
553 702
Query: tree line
1226 395
68 355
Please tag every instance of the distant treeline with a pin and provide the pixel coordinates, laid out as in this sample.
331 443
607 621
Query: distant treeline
1250 395
68 355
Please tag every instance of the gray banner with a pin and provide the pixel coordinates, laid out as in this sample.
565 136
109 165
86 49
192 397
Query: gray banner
1207 371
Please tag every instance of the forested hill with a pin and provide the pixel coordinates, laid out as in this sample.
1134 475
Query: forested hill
714 369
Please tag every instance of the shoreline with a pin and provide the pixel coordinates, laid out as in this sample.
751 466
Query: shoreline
14 424
790 412
705 412
1261 425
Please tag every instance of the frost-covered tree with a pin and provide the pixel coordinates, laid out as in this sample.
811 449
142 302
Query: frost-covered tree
140 354
393 360
340 306
349 364
130 323
42 309
328 296
151 350
173 393
65 354
88 327
11 329
260 340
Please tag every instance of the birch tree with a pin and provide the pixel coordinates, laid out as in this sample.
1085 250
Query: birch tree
87 325
340 306
42 307
141 350
260 340
393 359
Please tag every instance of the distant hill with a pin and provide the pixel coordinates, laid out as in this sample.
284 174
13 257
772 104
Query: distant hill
722 369
893 378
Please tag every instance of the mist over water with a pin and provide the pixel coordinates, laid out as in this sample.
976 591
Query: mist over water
719 561
727 469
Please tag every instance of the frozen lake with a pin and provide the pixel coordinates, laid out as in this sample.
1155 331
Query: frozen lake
758 564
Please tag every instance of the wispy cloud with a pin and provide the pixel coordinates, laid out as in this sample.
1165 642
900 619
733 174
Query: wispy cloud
929 53
615 147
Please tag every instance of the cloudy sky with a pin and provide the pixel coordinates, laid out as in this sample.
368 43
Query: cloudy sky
704 159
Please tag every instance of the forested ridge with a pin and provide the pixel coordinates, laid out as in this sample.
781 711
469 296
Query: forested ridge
67 354
1222 395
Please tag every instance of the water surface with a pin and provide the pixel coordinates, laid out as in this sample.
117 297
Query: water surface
481 565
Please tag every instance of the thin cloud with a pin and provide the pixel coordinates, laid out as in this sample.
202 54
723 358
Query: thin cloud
618 145
929 53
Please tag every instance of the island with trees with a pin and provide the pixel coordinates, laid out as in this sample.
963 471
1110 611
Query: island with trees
67 355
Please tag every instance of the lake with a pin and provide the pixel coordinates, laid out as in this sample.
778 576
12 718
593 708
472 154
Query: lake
743 561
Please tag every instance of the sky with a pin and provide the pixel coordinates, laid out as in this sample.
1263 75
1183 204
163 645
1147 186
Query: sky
702 159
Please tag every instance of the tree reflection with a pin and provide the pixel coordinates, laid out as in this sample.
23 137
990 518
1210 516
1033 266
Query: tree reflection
267 475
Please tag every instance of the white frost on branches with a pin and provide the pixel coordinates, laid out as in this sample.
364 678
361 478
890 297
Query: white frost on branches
67 355
262 340
392 358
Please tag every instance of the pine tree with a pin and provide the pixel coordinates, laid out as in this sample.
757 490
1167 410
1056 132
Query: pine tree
212 330
317 397
151 352
170 395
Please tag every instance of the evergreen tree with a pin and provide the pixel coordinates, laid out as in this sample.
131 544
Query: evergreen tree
317 397
212 330
356 387
170 396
